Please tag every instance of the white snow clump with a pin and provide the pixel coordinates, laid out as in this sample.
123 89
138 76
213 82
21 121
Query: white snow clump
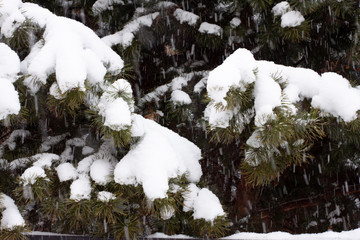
179 97
281 8
207 206
10 16
11 217
289 18
102 5
86 150
160 155
85 164
235 22
337 97
14 136
105 196
9 99
44 160
210 28
9 63
203 202
31 174
127 34
9 67
189 197
69 49
115 110
186 17
292 19
176 83
51 141
100 171
66 171
329 92
81 188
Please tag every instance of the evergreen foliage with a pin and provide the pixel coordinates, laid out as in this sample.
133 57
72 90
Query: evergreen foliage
309 153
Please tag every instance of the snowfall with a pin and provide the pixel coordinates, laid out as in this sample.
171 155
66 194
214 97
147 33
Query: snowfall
75 53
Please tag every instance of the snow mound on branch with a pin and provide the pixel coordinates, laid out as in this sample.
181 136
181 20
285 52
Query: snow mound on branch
45 160
267 95
9 63
329 92
160 155
115 110
9 67
280 8
76 141
11 217
209 28
86 150
102 5
105 196
81 188
66 171
190 196
235 22
68 153
216 117
19 163
85 164
9 99
292 19
236 71
207 206
203 202
337 97
186 17
100 171
201 84
289 18
176 83
51 141
117 115
127 34
32 174
255 139
10 16
179 97
70 49
14 136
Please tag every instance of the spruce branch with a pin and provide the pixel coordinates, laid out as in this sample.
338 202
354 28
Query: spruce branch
282 141
69 103
78 216
22 37
260 5
127 228
121 138
215 229
237 98
16 233
109 211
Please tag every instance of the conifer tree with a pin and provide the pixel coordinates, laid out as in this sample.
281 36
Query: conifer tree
64 145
